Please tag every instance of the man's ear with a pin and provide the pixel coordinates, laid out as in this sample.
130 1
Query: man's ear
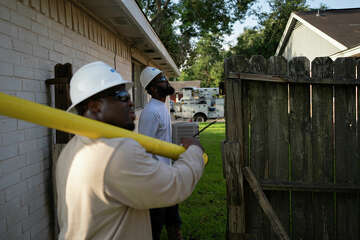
94 106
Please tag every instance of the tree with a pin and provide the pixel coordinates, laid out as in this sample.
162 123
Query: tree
178 23
265 38
207 63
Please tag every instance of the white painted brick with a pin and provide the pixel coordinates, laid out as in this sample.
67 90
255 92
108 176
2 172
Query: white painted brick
9 3
46 64
42 19
4 13
31 85
20 20
59 47
23 124
27 146
42 98
43 86
44 234
2 200
55 35
36 216
29 61
23 72
36 132
37 202
9 56
45 164
42 142
2 227
57 27
30 171
6 69
8 152
34 157
67 60
40 52
38 179
15 215
7 125
42 75
38 228
56 57
45 42
27 36
40 29
12 165
15 191
12 137
9 180
26 11
6 28
26 95
22 46
9 83
33 193
5 41
14 232
67 41
46 152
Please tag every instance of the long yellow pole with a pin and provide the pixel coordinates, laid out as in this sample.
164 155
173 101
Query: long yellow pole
68 122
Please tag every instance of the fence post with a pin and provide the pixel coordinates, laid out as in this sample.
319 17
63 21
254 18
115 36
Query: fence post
233 159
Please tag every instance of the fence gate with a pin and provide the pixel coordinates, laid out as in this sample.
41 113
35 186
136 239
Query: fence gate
300 136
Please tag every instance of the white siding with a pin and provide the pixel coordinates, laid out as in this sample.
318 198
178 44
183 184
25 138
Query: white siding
305 42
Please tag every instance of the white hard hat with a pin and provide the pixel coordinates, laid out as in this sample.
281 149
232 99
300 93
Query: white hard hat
91 79
148 74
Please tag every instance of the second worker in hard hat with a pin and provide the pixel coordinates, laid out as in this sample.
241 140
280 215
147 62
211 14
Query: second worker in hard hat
155 121
105 187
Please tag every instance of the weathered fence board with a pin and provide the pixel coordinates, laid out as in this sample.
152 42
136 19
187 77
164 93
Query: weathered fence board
347 170
258 159
299 133
278 131
300 147
233 159
323 148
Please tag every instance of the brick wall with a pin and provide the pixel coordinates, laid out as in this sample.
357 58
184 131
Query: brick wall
32 41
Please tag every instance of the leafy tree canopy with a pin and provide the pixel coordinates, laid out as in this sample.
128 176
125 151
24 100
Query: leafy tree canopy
207 63
264 38
179 22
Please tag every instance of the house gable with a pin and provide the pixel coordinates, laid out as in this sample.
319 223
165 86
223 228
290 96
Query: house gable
339 29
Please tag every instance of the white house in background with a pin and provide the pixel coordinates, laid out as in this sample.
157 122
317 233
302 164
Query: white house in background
334 33
35 35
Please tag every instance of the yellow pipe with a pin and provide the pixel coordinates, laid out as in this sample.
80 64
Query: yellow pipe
68 122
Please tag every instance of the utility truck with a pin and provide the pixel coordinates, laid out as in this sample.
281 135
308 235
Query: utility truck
199 104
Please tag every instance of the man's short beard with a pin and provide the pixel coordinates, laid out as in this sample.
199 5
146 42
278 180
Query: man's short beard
166 92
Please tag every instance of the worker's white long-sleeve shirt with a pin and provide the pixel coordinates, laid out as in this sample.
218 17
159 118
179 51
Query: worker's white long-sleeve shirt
155 121
106 186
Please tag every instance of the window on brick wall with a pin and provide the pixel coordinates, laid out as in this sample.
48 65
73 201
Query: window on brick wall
139 93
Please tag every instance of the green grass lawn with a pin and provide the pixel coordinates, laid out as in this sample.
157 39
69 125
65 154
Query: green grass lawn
204 213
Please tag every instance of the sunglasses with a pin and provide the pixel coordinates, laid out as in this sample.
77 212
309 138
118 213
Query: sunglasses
161 79
122 95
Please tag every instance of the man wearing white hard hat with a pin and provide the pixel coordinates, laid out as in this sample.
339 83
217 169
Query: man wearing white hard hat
155 121
105 187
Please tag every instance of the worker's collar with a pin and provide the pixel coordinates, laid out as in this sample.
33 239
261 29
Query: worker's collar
156 101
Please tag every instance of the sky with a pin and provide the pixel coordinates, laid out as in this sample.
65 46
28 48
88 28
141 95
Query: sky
250 22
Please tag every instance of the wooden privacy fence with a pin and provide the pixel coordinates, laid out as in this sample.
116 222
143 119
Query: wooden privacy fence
300 137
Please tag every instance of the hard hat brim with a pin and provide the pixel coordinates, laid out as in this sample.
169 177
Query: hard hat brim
72 109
